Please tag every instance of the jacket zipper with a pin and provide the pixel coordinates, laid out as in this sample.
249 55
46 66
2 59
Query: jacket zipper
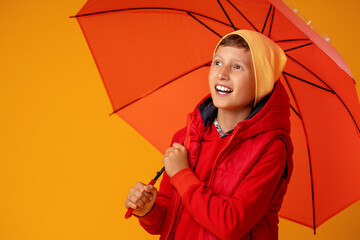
173 220
212 175
219 156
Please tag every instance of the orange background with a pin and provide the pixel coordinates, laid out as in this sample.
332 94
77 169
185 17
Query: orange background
65 165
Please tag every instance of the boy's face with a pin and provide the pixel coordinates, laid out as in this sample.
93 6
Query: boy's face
232 79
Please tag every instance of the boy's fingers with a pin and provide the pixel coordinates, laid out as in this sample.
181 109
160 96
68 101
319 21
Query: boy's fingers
141 192
148 188
133 198
152 191
177 145
129 204
133 206
139 185
143 196
170 149
149 195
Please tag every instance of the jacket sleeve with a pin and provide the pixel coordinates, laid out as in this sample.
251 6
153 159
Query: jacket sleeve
231 218
153 221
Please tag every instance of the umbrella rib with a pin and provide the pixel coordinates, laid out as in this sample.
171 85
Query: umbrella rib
308 151
150 8
307 70
159 87
242 15
331 90
295 111
303 80
227 16
189 13
290 49
290 40
267 17
272 21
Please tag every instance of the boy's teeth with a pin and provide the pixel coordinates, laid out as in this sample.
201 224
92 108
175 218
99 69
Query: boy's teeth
223 88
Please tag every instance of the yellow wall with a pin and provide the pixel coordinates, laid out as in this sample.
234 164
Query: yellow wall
65 165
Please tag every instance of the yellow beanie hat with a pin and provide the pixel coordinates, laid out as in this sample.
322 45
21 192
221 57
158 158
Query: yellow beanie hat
268 60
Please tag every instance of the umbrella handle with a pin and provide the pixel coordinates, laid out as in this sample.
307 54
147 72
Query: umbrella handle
128 214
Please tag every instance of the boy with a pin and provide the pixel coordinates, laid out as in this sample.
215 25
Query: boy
229 178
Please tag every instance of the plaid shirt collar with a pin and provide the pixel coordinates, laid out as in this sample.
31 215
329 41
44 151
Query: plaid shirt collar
218 128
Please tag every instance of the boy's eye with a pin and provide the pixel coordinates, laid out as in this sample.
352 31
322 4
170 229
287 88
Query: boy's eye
238 67
217 63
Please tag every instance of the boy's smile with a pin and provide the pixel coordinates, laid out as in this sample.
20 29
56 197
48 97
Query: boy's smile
232 80
223 89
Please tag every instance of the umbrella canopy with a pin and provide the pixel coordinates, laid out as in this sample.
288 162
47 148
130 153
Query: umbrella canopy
154 58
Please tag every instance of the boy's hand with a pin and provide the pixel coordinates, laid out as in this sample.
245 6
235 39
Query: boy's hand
141 198
175 159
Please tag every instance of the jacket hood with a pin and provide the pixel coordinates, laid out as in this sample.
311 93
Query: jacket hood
271 113
268 60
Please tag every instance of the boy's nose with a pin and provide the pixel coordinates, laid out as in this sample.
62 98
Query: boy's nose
223 74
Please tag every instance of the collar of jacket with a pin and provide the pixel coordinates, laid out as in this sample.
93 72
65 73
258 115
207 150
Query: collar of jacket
208 111
272 112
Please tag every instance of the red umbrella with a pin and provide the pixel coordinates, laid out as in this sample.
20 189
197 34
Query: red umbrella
154 56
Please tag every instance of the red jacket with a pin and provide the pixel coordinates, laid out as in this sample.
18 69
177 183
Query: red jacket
248 180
